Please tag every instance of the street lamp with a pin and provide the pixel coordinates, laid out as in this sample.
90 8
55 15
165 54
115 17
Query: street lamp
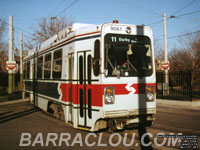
172 16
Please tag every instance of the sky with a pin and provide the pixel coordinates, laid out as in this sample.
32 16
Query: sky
27 13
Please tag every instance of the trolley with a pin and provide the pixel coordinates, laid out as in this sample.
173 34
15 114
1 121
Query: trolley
94 76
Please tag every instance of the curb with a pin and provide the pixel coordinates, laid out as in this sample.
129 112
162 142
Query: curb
159 101
14 101
195 104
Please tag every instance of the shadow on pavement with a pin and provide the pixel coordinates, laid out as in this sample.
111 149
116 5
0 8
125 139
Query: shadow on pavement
17 115
1 114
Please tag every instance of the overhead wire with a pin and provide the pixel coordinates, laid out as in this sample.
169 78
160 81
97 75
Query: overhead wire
178 17
183 7
197 19
145 9
15 38
28 33
171 37
75 1
56 8
177 12
70 5
18 29
157 22
189 13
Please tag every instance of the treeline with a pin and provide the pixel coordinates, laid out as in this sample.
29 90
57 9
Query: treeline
186 57
43 30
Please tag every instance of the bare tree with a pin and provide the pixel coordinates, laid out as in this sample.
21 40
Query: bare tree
47 28
191 47
3 44
176 58
29 44
2 32
188 57
2 29
159 52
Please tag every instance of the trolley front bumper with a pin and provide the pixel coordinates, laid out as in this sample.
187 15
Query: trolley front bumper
128 113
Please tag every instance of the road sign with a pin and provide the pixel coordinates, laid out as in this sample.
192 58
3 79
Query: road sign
165 65
11 65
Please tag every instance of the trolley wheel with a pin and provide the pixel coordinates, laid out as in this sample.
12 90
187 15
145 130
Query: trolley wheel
56 110
61 113
116 126
49 109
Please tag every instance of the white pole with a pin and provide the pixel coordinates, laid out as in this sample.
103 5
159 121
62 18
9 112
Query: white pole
10 55
21 62
165 37
21 53
165 53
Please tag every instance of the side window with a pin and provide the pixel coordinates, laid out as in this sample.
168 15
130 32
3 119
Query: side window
89 76
71 66
96 63
47 66
81 69
28 70
57 64
39 67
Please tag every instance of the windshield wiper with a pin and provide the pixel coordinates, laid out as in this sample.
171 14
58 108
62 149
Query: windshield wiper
132 67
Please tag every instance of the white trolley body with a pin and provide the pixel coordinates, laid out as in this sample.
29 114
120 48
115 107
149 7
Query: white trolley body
94 76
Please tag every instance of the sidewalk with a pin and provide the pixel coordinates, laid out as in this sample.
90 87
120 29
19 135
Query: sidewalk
14 101
186 104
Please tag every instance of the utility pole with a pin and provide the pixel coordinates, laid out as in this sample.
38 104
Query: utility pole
21 60
11 87
166 85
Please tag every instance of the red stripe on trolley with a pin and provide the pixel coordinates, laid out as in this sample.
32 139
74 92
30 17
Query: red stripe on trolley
70 91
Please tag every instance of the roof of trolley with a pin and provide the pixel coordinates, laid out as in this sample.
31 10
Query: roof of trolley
66 33
77 29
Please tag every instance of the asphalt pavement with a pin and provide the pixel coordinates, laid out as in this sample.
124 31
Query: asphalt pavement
19 117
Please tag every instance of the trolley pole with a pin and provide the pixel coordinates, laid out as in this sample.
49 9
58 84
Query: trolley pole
166 84
10 56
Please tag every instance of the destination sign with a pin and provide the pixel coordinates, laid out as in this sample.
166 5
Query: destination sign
129 39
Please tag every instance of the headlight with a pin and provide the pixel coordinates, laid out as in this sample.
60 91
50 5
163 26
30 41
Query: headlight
150 96
109 95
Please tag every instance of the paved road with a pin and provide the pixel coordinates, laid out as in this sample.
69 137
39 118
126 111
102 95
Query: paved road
19 118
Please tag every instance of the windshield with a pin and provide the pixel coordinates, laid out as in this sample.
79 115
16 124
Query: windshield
127 55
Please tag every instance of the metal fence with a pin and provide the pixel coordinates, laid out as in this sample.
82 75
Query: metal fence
179 87
4 83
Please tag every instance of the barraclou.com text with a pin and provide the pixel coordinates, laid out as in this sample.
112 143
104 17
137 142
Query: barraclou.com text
92 139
